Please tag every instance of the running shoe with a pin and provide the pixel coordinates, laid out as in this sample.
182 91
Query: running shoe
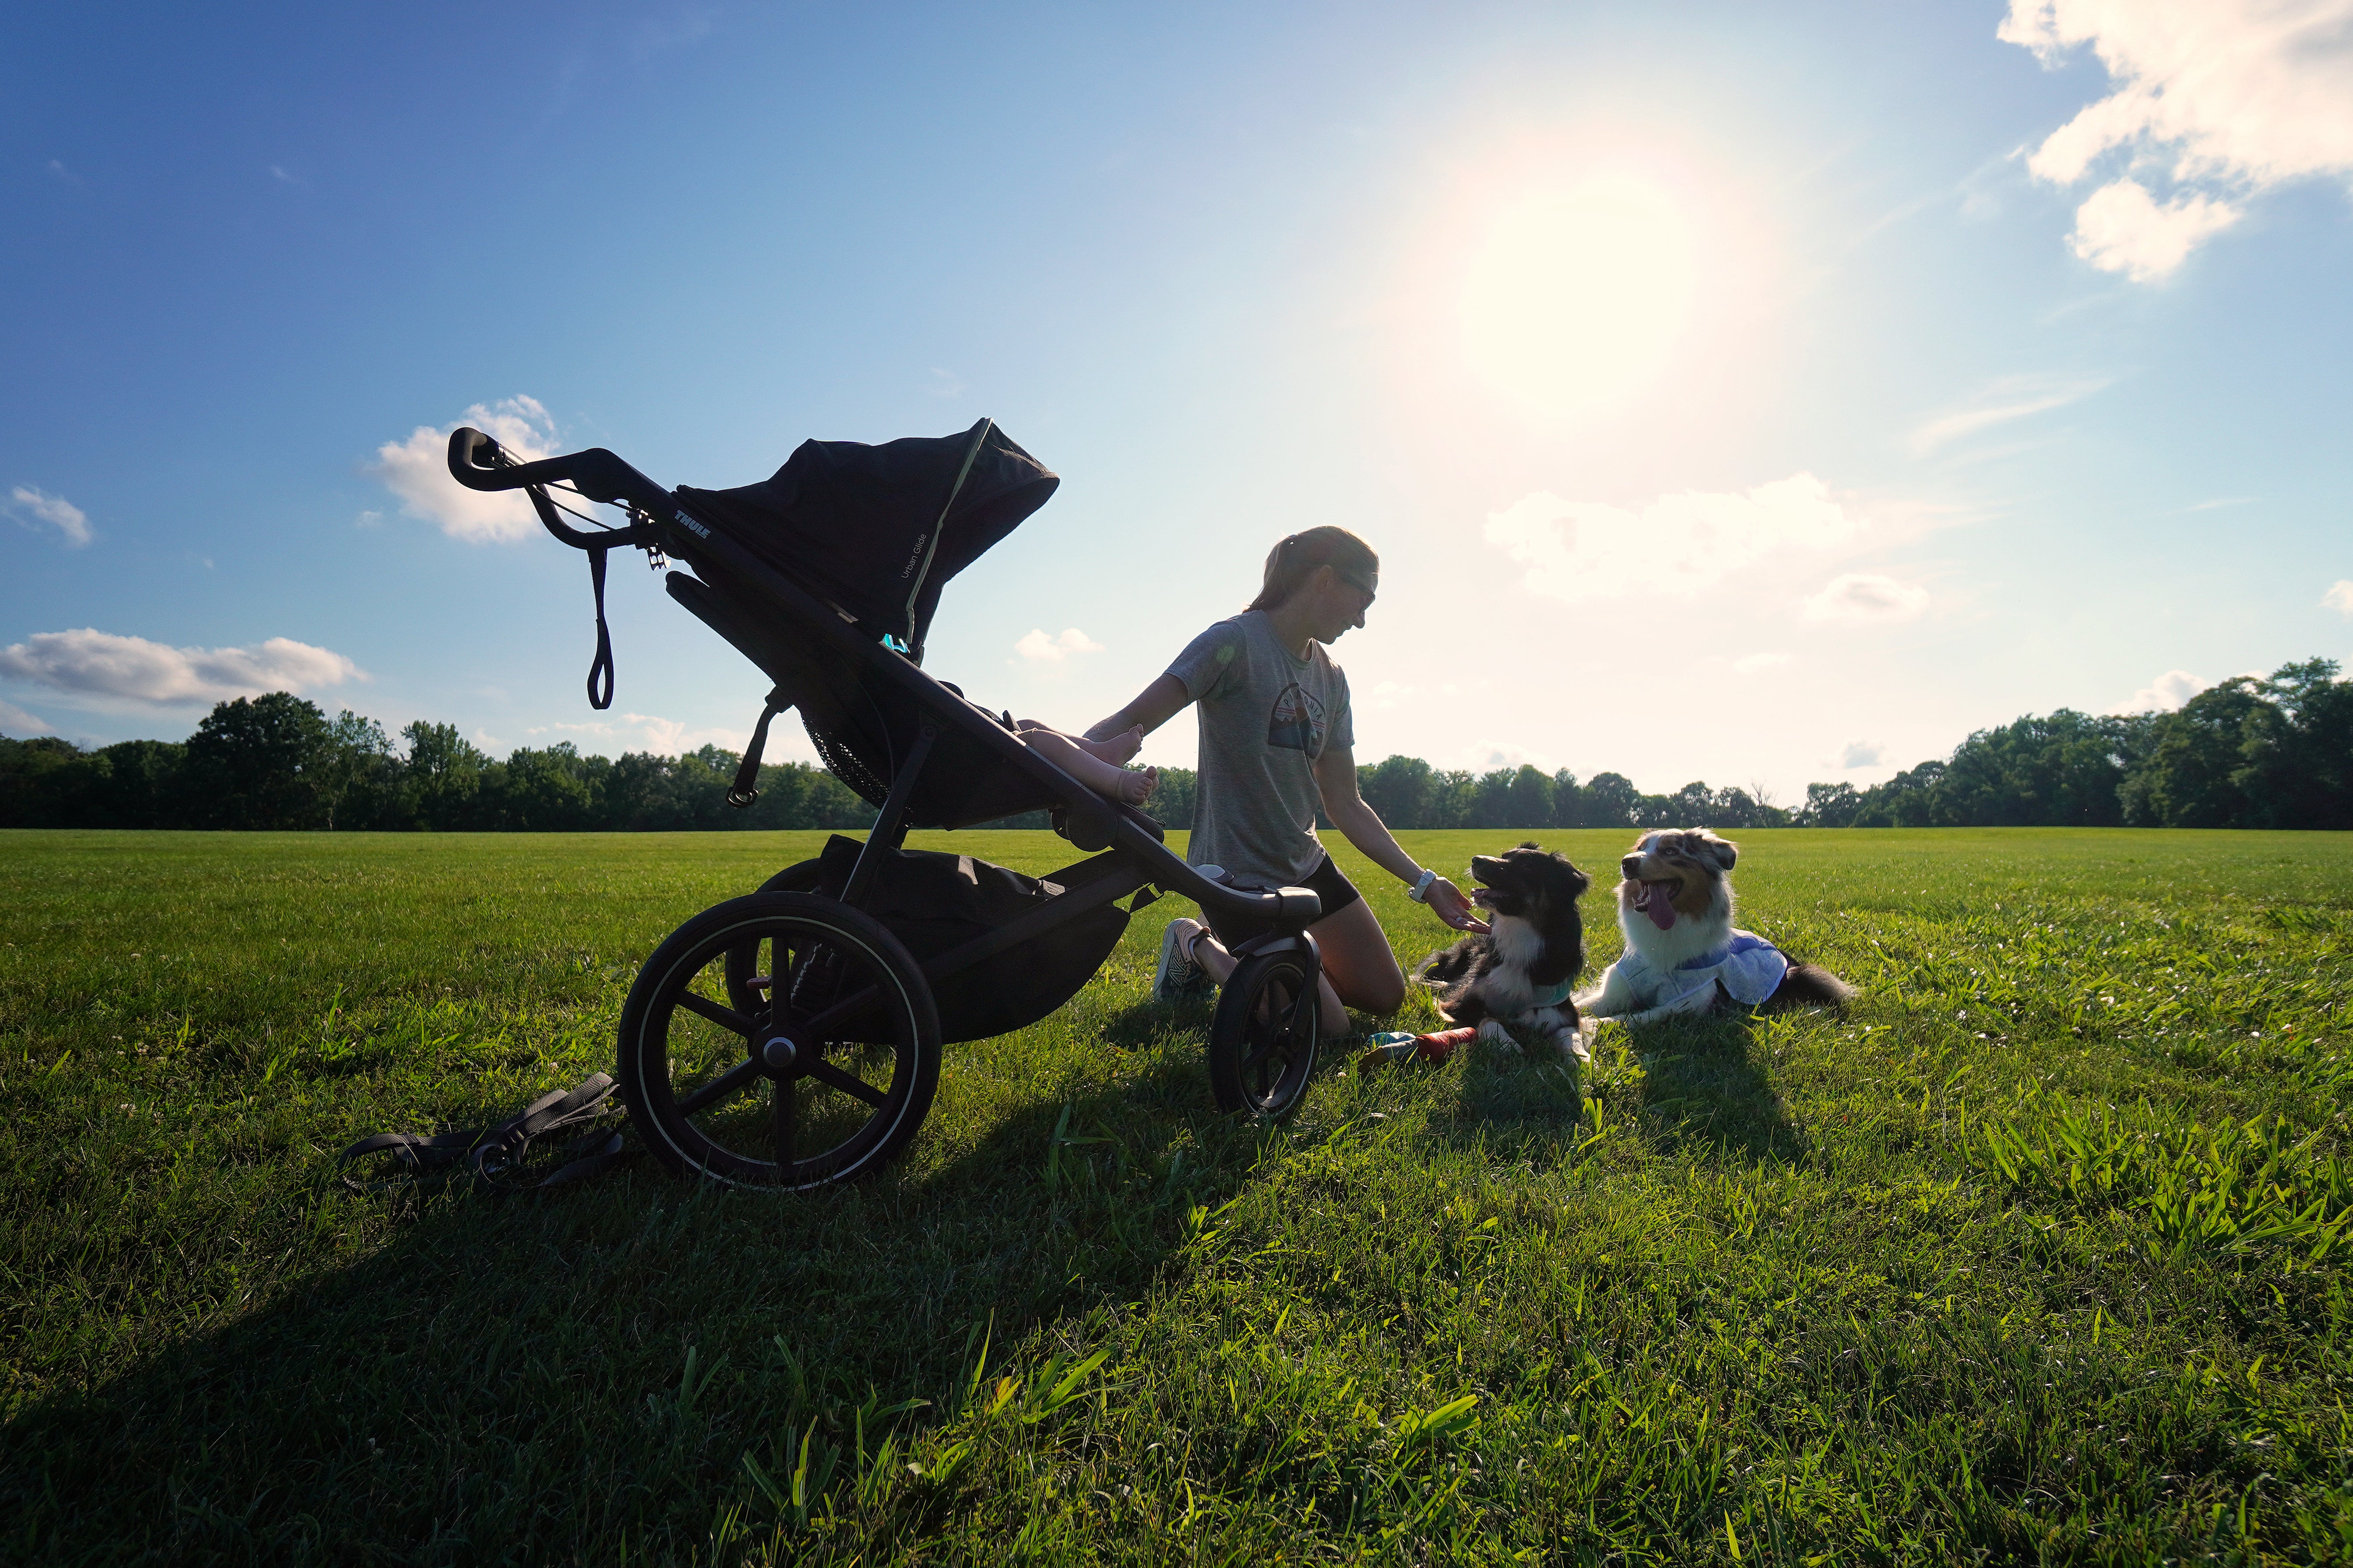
1178 976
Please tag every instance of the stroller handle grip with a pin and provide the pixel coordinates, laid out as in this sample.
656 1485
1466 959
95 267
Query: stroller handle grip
480 463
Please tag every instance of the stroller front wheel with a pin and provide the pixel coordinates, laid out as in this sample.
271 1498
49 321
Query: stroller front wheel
1262 1038
779 1040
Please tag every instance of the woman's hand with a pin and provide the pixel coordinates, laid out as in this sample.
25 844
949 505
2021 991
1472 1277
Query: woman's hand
1446 903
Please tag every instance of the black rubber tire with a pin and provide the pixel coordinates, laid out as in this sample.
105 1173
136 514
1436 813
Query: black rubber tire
867 1096
1262 1039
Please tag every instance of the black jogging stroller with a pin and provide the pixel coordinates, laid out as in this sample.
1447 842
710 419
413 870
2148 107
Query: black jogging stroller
791 1037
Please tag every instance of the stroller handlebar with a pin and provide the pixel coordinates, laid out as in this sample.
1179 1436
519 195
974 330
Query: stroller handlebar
480 463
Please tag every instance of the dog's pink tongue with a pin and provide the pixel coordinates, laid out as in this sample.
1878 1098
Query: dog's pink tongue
1659 907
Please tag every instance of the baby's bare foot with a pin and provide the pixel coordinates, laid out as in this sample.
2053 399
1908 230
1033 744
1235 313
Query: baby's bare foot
1119 747
1136 788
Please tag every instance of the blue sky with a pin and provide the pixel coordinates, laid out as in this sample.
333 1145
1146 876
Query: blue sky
1755 394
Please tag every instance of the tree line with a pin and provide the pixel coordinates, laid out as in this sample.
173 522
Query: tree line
2270 752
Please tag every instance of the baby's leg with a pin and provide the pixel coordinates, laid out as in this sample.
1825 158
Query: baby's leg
1117 750
1082 765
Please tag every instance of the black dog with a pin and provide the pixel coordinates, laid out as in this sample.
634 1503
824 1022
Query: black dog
1520 972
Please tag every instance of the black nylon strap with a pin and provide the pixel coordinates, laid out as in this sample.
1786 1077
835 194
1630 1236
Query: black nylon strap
491 1155
600 697
747 774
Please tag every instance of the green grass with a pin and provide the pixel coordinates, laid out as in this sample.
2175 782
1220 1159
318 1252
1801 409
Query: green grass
2037 1253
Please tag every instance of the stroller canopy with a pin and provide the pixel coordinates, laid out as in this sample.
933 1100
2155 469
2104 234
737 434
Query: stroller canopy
878 530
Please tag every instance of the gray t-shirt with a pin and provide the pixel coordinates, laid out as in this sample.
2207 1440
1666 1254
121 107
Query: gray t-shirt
1265 716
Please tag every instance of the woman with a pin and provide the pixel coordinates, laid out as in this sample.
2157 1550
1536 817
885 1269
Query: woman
1276 742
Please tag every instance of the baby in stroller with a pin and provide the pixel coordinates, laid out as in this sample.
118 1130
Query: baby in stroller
1098 764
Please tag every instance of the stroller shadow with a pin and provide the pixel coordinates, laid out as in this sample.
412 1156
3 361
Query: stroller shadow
412 1382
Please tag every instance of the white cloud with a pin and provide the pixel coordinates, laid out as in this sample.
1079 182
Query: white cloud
2122 229
1862 754
59 514
14 720
945 384
1754 663
2164 694
1678 545
417 471
1866 597
2013 397
2239 96
1038 647
89 663
2339 596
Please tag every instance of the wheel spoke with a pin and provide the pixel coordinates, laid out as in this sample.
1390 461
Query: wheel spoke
719 1088
725 1018
815 1025
784 1116
849 1083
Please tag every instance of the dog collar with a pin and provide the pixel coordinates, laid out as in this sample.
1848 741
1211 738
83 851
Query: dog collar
1551 995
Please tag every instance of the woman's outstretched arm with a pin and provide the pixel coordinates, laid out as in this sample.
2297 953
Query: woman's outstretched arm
1335 777
1154 706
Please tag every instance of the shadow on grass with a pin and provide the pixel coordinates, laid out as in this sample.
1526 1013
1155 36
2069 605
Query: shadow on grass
1694 1085
1703 1091
511 1378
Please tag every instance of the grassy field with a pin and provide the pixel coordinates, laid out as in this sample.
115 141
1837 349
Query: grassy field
2038 1254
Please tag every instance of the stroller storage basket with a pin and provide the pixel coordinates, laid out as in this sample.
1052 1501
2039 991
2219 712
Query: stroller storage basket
791 1037
935 903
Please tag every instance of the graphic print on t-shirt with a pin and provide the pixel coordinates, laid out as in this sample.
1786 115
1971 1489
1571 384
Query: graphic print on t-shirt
1296 724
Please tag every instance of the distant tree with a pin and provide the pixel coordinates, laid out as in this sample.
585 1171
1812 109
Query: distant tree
1530 798
1910 799
37 781
2299 766
1568 801
135 784
1693 805
552 790
357 776
1400 790
1829 806
1491 800
253 763
441 777
1610 801
1173 798
1452 794
2058 770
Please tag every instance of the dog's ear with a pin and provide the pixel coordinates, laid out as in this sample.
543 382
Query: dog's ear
1723 851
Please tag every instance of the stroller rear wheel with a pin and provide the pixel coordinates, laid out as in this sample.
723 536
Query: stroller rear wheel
779 1040
1262 1038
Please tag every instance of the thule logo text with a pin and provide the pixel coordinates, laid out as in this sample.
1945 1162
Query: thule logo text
693 527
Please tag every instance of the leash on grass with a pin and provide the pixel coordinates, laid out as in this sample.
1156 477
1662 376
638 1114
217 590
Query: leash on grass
497 1159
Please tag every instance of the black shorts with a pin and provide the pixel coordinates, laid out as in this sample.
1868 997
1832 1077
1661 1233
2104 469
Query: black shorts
1330 884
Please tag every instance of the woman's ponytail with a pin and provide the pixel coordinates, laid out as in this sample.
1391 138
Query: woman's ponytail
1294 559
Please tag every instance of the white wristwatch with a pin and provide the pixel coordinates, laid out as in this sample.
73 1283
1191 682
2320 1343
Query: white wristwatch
1421 894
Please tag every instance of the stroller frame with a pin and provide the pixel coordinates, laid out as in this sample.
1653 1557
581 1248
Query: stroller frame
815 988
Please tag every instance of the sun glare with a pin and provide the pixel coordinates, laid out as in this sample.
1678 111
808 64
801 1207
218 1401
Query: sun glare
1579 295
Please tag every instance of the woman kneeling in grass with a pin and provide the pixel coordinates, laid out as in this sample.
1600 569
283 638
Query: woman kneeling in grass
1277 742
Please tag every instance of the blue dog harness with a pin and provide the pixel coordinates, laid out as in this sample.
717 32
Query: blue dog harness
1748 967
